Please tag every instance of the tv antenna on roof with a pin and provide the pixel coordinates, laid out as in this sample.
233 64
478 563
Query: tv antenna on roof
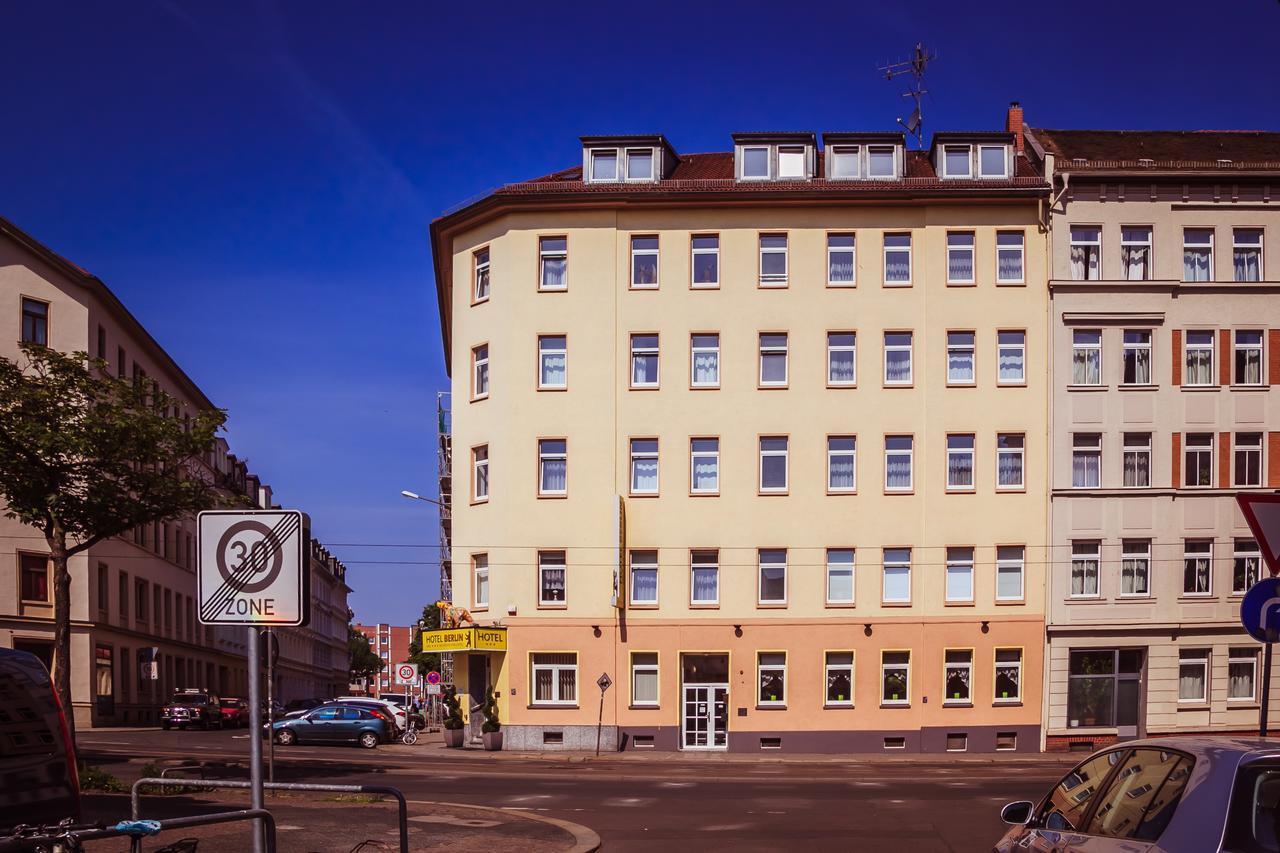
915 66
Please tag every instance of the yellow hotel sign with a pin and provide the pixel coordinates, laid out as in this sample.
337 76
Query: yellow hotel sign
465 639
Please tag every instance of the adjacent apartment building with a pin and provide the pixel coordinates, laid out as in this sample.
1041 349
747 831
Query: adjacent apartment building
1165 336
755 442
391 644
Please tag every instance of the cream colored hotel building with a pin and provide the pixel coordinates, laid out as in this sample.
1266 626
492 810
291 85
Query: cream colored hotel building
813 380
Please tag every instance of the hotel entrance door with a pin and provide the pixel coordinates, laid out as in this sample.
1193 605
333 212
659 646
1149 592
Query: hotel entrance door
704 712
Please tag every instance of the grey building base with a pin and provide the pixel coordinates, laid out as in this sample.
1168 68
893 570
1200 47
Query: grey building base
979 739
577 738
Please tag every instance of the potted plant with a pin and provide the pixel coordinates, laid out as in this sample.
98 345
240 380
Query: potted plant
453 720
491 729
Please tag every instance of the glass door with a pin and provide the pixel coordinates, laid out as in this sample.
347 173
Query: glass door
705 716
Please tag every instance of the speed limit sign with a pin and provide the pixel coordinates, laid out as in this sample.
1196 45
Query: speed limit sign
406 674
252 568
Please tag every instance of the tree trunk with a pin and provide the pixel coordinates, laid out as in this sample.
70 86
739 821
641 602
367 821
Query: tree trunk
62 625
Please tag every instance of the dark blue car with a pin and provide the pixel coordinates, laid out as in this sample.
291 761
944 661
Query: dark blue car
337 723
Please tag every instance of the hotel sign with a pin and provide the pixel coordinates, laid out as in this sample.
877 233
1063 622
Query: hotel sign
465 639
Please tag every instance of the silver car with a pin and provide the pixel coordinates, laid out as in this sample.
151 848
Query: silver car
1176 794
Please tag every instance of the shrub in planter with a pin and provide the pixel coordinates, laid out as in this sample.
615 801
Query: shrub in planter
453 718
492 728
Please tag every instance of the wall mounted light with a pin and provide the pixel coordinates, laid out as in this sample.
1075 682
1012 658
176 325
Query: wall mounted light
986 626
595 629
866 629
737 630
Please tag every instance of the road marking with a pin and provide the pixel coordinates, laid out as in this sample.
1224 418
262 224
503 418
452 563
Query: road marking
725 827
676 784
288 826
455 821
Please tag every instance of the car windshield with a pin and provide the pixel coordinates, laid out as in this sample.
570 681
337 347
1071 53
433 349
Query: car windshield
189 699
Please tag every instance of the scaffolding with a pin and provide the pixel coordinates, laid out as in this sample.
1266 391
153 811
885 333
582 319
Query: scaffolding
444 473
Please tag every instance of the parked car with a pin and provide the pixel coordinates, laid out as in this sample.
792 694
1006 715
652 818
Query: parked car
334 723
1165 795
38 778
191 708
235 712
399 715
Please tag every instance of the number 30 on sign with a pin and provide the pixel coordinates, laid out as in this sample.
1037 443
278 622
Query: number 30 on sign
252 568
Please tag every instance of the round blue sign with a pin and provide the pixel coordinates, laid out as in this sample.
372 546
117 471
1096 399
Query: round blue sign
1260 609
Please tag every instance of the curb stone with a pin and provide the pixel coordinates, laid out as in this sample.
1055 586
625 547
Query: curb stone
585 838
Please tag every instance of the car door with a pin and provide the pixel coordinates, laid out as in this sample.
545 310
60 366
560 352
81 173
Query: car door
1061 816
1138 803
321 725
347 726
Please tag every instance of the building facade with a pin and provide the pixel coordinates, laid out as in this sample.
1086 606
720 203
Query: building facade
314 662
1165 328
391 644
753 444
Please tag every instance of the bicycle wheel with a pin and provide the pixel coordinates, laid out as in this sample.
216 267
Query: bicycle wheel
410 737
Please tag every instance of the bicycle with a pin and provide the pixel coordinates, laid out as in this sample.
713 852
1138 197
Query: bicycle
410 736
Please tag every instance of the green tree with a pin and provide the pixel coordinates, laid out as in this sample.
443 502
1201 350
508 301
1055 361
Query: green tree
364 663
85 456
426 661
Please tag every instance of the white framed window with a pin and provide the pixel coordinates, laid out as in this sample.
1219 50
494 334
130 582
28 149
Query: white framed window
1199 357
1010 257
840 576
773 359
960 451
959 585
644 466
644 678
1086 357
555 678
604 164
553 263
644 578
1135 568
1197 254
897 358
644 262
552 580
1197 567
1246 254
644 361
960 249
838 677
957 676
553 465
755 163
773 260
1193 675
639 164
704 360
1008 682
1247 459
842 463
771 668
1135 252
1010 560
480 372
791 161
896 580
704 581
960 358
845 162
898 463
881 162
1248 357
1011 357
481 286
1246 566
553 358
1086 252
1086 460
704 466
897 259
1137 460
1137 357
841 260
957 161
895 678
1084 569
480 473
993 161
1197 460
773 463
1010 448
480 580
772 586
705 249
842 361
1242 672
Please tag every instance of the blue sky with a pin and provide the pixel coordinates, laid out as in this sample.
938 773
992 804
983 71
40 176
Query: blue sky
255 180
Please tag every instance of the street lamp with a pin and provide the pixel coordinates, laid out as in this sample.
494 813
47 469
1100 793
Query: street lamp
417 497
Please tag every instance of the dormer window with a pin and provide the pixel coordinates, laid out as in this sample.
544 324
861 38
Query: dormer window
993 161
639 164
880 162
845 162
955 162
774 156
791 161
755 163
604 165
626 159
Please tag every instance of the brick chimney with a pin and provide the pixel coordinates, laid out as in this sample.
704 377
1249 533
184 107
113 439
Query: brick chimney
1013 124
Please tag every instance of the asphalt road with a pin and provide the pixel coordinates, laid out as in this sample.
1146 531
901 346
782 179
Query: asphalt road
715 803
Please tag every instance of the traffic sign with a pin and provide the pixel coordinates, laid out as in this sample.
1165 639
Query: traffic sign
604 681
433 689
1262 512
1260 609
433 677
252 568
406 674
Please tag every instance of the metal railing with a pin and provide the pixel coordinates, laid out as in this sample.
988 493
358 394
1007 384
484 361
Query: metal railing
135 796
25 842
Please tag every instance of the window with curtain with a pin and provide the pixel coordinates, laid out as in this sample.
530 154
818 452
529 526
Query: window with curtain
34 571
1248 360
840 587
1137 357
704 454
644 678
959 584
1086 253
1135 252
1197 254
551 577
644 361
773 260
960 257
1084 569
1246 254
1135 567
1199 357
1086 460
1197 567
1009 564
480 574
841 269
644 261
1009 458
838 668
1009 257
644 466
553 258
1242 669
555 678
897 358
552 361
841 463
705 586
1012 356
960 461
897 258
957 676
480 377
960 355
1137 459
841 358
772 667
1086 357
895 678
1247 564
644 577
481 260
480 473
897 462
1008 675
897 575
706 260
705 356
553 463
1193 675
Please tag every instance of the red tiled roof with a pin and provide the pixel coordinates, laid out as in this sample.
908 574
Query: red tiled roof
1186 150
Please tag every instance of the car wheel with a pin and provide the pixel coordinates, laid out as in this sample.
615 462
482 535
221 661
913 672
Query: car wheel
164 726
368 740
286 738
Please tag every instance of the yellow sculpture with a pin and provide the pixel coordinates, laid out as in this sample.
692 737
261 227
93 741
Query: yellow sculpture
452 616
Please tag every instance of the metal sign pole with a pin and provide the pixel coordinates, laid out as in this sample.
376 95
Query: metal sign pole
255 737
1266 684
271 704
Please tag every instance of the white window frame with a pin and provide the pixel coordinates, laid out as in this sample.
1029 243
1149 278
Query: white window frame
637 253
960 559
635 561
1138 550
774 279
646 668
1237 247
791 152
998 665
544 255
1086 444
1004 161
1237 657
786 463
1128 241
695 455
761 565
645 352
1194 658
546 455
959 451
695 350
1246 549
635 456
774 350
968 160
1009 562
1135 445
832 454
852 349
956 247
1199 448
479 569
909 348
1189 245
480 372
1086 551
894 250
1200 347
1020 348
955 344
1008 248
959 665
605 153
874 151
653 164
544 566
842 154
851 566
1237 348
556 670
885 666
1088 237
1080 348
851 250
1251 449
545 349
829 668
911 468
482 273
694 252
1195 549
1018 451
480 473
761 668
694 567
768 163
1135 348
900 567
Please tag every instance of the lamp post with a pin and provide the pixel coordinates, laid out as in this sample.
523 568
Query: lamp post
405 493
